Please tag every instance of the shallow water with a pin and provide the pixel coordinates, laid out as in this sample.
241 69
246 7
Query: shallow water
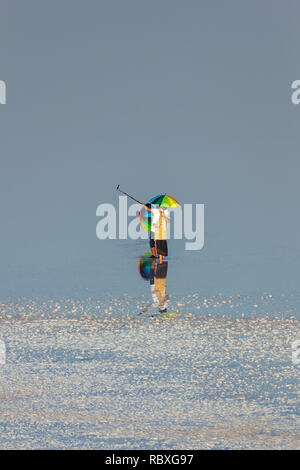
110 267
93 373
81 366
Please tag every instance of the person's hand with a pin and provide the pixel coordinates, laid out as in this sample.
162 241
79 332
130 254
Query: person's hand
147 208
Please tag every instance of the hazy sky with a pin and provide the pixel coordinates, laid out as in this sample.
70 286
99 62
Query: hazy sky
191 98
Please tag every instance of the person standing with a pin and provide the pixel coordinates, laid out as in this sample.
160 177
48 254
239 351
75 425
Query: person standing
154 220
160 235
158 285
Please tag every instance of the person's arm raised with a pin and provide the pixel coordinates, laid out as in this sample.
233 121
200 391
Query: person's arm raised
147 208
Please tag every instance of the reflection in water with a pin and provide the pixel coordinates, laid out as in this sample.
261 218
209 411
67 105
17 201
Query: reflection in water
84 390
155 272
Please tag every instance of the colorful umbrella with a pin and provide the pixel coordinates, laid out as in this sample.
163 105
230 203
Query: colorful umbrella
163 200
145 218
144 267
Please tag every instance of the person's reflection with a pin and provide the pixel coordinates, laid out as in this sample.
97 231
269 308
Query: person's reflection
156 273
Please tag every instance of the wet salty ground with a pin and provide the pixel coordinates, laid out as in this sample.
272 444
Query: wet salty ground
96 374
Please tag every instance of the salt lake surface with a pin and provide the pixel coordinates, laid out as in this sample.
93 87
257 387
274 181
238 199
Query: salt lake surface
91 371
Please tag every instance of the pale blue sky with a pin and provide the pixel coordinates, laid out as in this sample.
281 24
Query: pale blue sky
190 98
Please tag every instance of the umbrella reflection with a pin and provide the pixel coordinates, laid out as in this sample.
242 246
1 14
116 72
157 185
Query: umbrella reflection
156 273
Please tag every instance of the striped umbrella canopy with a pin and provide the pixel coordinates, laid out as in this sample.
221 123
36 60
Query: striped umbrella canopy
145 218
162 200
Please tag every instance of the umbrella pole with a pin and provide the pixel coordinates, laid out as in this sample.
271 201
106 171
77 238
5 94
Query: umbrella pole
131 197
